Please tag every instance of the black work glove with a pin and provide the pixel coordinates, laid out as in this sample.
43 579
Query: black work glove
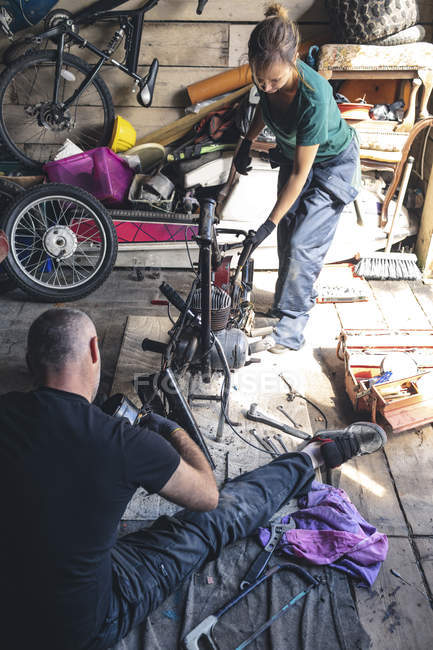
159 424
242 158
262 232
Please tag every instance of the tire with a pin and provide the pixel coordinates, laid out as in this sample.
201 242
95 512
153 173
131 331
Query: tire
30 128
363 21
63 244
8 193
20 47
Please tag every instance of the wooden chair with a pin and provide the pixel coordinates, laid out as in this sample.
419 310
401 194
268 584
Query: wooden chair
385 145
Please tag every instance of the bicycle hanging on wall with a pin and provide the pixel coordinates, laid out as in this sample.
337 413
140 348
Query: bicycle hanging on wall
49 95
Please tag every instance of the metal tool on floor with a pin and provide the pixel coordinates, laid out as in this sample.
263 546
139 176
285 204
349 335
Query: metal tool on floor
262 560
279 437
410 584
205 628
312 583
272 445
262 442
288 416
254 413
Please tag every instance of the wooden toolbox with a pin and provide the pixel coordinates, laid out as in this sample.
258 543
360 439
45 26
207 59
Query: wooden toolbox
404 403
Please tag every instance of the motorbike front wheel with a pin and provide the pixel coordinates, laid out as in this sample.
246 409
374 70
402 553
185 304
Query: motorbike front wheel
63 244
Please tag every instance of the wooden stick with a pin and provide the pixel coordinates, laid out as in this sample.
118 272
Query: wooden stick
399 203
180 127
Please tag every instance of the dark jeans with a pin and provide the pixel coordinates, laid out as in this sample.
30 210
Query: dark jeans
304 236
150 564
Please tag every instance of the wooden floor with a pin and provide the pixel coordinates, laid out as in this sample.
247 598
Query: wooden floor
392 489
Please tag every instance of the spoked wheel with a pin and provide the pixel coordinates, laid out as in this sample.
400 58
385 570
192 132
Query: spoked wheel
32 127
8 193
63 244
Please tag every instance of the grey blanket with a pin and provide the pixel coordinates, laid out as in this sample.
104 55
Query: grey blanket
326 618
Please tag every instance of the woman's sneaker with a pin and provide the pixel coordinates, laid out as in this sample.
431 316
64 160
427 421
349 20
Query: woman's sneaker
357 439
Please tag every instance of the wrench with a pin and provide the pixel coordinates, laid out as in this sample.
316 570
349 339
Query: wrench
262 559
261 442
254 413
279 437
289 417
272 445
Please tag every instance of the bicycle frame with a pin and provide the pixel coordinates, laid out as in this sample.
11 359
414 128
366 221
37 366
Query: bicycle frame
129 20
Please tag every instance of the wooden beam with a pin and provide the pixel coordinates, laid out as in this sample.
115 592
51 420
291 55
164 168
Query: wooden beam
424 242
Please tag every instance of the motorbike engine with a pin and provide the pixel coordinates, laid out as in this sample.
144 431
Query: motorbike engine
233 340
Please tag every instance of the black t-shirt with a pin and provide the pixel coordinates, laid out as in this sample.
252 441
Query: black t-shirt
67 472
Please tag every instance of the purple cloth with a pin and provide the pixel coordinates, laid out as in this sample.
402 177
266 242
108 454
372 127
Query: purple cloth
330 530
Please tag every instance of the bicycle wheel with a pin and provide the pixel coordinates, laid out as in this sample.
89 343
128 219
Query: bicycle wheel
8 192
63 244
32 127
20 47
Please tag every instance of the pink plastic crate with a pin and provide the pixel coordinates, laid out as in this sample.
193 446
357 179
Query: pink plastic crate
99 171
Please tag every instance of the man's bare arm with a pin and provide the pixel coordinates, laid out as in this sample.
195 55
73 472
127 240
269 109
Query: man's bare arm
193 484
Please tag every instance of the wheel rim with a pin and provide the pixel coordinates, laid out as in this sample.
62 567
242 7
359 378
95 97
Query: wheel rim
36 126
58 243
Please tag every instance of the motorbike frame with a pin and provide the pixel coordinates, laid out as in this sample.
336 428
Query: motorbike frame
210 258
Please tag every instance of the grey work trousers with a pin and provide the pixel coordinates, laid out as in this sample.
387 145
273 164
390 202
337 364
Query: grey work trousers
304 236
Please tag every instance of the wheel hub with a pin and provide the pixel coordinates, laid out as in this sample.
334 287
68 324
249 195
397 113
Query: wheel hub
50 116
60 242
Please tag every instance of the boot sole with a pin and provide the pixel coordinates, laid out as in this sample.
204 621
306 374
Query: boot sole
378 429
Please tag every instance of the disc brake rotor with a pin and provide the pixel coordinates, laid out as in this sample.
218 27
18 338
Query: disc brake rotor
60 242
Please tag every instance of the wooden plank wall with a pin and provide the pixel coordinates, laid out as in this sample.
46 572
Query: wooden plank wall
191 47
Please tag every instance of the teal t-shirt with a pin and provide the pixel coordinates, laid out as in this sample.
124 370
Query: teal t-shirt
313 117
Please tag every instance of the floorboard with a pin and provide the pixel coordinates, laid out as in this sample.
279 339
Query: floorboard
424 296
410 458
396 615
398 305
424 546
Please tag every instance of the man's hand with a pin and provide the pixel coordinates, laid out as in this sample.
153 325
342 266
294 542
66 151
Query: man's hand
160 424
242 158
262 232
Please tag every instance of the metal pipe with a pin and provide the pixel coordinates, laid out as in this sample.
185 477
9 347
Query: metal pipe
204 240
181 411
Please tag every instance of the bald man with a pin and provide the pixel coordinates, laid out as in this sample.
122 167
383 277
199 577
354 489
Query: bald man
67 473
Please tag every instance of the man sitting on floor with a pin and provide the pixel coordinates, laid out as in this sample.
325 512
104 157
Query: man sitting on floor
67 472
